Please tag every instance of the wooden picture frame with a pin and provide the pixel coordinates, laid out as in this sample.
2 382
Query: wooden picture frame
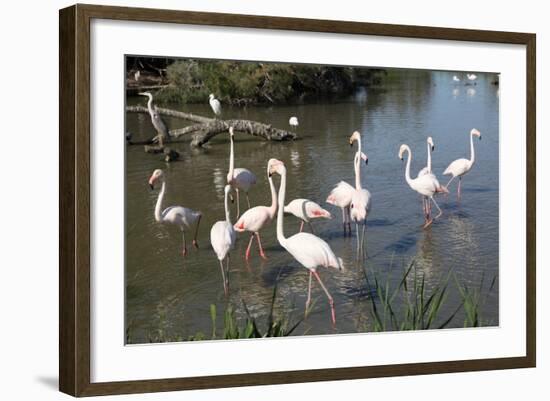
74 203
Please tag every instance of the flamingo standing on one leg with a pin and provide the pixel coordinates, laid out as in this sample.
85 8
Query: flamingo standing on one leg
426 185
341 196
361 198
460 167
254 219
240 179
222 238
427 170
306 210
178 215
309 250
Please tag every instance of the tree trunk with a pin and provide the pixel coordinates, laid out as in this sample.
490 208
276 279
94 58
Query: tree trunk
207 128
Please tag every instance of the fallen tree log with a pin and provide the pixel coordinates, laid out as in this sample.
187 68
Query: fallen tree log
207 128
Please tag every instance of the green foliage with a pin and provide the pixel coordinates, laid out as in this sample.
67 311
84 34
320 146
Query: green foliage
191 81
420 308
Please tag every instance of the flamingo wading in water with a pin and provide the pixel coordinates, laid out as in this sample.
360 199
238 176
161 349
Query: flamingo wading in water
181 216
306 210
253 220
340 196
240 179
222 238
426 185
309 250
360 198
215 105
460 167
293 122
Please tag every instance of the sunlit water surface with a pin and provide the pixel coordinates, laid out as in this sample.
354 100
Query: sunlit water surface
168 297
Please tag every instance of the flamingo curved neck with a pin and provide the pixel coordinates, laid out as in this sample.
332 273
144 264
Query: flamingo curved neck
357 165
472 152
158 206
408 167
429 157
273 207
282 189
231 161
227 212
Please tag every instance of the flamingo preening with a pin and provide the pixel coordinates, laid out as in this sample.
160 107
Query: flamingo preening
360 199
460 167
215 105
178 215
309 250
240 179
426 185
341 195
254 219
222 238
306 210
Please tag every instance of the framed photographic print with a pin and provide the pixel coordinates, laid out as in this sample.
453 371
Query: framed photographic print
250 200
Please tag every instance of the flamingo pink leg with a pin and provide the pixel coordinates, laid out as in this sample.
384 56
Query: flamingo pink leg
184 252
247 254
308 301
223 278
330 300
262 254
302 226
195 243
238 204
459 182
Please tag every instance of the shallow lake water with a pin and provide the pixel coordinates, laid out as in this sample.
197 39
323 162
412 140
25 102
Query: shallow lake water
169 297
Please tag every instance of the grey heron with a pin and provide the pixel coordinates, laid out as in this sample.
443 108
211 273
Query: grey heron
160 127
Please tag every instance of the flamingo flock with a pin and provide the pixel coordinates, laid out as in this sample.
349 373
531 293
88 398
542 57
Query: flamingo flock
308 249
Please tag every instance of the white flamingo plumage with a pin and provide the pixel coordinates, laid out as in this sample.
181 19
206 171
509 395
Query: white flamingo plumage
240 179
361 198
431 148
222 238
254 219
460 167
215 104
456 79
426 185
181 216
306 210
340 196
293 121
471 77
309 250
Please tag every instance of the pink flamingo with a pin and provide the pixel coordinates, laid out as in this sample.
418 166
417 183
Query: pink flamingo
254 219
361 198
222 238
306 210
309 250
177 215
461 167
427 170
340 196
426 185
239 178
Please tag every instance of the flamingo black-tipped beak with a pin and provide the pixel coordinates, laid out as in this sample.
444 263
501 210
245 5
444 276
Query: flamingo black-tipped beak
433 148
151 186
367 162
270 175
480 137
